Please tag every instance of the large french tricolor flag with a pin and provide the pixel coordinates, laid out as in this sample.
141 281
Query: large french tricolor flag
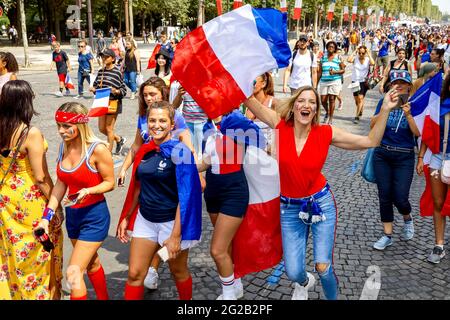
354 10
426 110
298 9
330 14
217 62
345 11
68 82
101 102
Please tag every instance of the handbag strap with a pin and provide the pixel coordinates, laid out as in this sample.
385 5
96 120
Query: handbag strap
21 139
444 147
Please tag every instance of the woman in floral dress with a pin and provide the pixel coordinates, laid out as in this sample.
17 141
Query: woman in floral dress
27 271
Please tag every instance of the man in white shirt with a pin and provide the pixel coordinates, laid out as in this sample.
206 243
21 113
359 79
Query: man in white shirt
300 73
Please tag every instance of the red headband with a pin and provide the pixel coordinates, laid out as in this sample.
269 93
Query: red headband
68 117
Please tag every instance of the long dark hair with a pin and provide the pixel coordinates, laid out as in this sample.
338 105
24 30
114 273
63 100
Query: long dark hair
159 84
445 94
11 62
268 88
166 67
16 107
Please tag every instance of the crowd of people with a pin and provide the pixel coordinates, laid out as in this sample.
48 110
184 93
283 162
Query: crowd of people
163 205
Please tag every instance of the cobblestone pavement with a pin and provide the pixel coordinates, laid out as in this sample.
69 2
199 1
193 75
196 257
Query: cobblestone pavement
405 274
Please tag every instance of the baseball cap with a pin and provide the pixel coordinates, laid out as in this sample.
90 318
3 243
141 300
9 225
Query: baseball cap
108 53
400 75
303 37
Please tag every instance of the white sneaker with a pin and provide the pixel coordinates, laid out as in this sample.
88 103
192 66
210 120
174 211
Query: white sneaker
77 96
59 94
133 96
238 291
301 292
151 280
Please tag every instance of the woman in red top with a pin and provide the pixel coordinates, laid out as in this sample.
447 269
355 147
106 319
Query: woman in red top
306 200
85 168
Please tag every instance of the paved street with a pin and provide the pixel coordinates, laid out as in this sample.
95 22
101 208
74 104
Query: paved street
405 274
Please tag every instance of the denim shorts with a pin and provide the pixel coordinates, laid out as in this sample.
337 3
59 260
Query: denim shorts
436 160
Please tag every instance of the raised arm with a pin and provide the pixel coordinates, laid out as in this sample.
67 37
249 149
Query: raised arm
346 140
266 115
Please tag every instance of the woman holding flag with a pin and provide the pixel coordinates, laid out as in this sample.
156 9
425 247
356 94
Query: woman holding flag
166 188
306 198
85 172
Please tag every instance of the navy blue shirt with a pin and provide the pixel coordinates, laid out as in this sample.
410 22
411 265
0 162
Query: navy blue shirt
158 199
403 138
384 49
83 61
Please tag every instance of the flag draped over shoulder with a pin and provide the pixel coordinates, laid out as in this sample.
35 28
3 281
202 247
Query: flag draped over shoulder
188 185
257 244
217 62
425 109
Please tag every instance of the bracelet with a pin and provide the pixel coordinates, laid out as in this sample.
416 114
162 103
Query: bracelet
48 214
419 157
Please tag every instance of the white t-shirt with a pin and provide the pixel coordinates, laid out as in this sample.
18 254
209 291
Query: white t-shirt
360 71
374 44
301 71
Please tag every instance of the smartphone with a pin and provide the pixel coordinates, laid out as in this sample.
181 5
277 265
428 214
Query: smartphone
163 253
71 199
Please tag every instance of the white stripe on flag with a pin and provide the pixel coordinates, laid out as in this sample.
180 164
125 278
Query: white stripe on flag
234 37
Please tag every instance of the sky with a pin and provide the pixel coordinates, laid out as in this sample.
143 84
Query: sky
444 5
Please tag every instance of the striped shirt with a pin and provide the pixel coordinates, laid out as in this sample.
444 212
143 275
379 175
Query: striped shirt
327 65
192 111
111 79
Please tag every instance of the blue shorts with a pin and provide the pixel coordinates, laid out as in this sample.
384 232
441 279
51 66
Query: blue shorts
436 160
227 193
90 223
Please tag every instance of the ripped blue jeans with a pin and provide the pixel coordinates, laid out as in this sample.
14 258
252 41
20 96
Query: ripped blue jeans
295 232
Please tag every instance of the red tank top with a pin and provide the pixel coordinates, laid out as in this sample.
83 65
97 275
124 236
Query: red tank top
301 176
82 176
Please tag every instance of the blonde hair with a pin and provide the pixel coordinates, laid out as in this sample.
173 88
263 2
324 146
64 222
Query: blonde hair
286 107
86 134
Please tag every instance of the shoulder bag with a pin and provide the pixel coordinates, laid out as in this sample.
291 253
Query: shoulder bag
367 171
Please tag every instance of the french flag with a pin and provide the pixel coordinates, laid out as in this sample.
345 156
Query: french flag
257 245
330 14
381 16
101 102
152 60
283 5
217 62
345 13
298 9
68 82
354 10
426 110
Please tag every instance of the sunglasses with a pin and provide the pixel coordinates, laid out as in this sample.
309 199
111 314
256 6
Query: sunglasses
81 46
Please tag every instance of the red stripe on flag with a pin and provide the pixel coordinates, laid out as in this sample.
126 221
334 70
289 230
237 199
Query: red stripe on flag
345 16
426 201
236 4
201 73
152 60
257 244
431 134
330 15
219 7
98 112
297 13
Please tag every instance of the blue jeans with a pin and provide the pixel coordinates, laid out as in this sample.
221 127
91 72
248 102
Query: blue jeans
295 232
394 172
129 78
196 129
81 79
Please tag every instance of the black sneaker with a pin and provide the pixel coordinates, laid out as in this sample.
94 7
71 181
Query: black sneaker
119 145
360 114
325 118
356 120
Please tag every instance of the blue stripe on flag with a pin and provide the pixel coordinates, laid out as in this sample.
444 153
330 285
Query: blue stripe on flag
272 27
420 100
102 93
